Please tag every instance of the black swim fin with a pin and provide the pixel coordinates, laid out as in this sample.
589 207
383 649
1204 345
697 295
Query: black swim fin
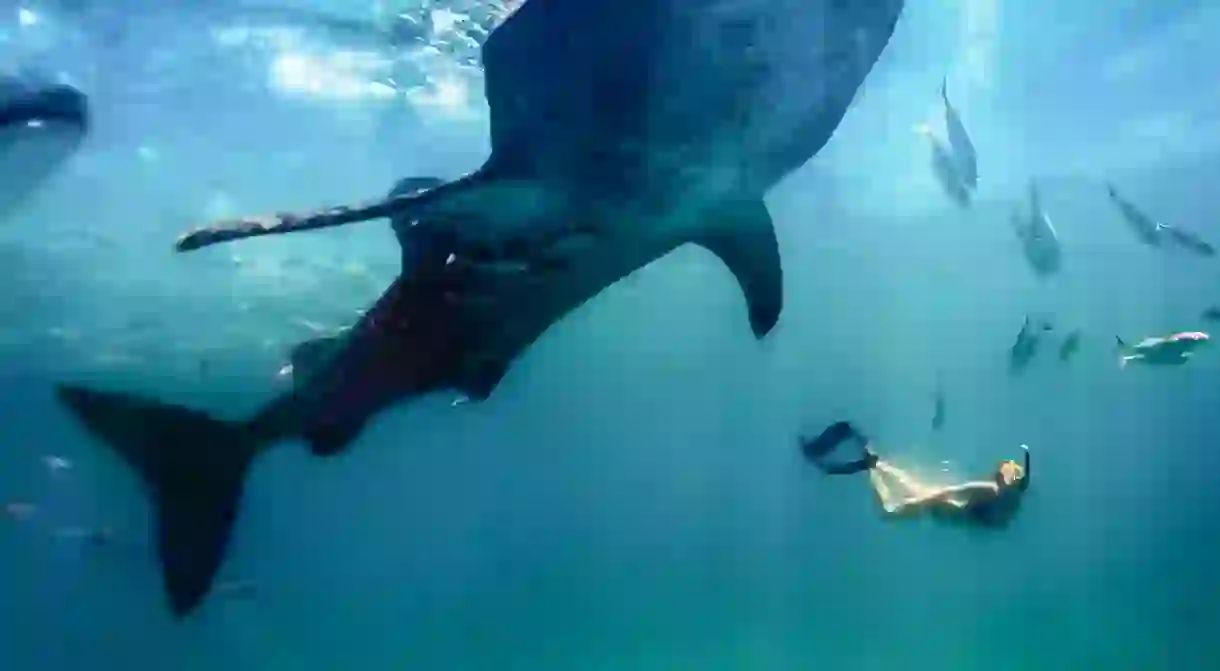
194 467
865 463
828 440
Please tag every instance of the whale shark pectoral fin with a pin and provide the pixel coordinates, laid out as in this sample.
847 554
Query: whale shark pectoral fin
742 234
480 378
329 437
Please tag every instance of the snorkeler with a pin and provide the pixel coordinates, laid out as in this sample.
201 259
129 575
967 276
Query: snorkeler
982 503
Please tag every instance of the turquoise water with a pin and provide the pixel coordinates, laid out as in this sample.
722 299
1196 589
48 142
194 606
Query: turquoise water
632 495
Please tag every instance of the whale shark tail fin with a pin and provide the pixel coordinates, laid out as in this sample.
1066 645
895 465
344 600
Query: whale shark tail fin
194 467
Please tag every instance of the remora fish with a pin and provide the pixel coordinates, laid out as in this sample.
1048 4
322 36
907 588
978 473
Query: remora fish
945 167
651 128
1039 241
1147 229
1189 241
938 404
1071 344
1154 233
42 124
1026 346
1171 350
964 155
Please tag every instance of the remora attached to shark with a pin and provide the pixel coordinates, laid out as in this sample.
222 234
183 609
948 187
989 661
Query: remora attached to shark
618 135
42 123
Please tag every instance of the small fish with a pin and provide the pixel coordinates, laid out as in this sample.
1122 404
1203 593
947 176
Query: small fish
938 400
1026 346
1171 350
946 169
1147 229
1069 347
1211 314
964 153
1039 240
1188 241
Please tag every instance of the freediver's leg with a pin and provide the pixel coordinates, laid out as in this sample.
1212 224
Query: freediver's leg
904 479
885 496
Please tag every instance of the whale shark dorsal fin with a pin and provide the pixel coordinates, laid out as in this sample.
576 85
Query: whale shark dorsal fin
742 234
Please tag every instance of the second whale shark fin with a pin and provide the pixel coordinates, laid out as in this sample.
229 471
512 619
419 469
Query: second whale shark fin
479 379
327 438
194 468
414 202
743 236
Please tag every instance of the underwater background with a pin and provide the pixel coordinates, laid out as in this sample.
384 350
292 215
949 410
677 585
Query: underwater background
632 496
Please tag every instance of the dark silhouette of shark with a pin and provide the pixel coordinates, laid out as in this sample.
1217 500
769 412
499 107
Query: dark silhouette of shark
620 131
42 123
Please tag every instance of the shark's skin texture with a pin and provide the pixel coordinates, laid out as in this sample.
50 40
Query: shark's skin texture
617 136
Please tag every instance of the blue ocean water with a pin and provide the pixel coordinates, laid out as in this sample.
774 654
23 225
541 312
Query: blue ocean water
632 495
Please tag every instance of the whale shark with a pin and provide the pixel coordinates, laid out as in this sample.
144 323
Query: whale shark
618 135
42 124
